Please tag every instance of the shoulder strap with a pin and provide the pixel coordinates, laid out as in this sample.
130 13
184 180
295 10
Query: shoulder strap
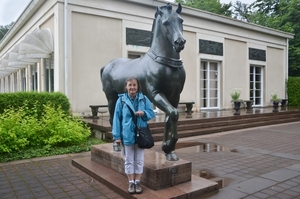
122 101
132 114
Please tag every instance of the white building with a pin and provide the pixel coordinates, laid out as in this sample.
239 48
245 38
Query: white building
60 45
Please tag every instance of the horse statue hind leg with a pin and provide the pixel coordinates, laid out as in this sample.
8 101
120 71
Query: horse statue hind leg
110 93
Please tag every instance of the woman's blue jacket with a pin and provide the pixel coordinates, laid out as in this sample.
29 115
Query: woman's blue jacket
123 125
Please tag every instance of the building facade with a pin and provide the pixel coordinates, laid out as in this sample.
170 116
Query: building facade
61 45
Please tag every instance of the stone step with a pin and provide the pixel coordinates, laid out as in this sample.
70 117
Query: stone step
230 118
204 123
200 126
215 119
229 126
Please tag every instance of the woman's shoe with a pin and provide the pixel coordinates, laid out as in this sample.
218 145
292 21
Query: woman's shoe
131 188
138 188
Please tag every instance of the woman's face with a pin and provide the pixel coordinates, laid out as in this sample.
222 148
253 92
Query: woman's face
132 87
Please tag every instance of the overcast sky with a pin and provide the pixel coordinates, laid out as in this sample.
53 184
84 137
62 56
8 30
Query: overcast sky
10 10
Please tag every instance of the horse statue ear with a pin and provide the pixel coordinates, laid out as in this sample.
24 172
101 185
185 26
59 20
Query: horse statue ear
179 9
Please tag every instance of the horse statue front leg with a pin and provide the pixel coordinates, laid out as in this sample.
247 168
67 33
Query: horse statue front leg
172 115
169 145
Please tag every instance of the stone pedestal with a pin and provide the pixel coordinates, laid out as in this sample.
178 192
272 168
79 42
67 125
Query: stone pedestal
158 172
161 179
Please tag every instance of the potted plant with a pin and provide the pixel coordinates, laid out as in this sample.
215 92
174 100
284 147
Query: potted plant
235 96
275 100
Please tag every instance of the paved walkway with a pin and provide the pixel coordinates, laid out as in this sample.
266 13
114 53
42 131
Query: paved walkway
254 163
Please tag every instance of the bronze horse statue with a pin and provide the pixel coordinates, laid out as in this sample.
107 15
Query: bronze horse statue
160 72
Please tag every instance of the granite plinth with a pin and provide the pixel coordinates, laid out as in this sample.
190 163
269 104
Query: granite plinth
158 172
119 183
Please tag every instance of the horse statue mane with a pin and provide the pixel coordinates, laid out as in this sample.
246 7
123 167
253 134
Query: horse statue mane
160 72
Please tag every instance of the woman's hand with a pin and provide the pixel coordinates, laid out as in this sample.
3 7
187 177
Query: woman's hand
139 113
118 142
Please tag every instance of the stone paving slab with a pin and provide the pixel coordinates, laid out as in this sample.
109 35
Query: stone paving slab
51 177
295 167
286 155
226 193
281 175
253 185
264 156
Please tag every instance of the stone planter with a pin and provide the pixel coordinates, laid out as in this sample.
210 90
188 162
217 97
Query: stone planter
275 106
237 106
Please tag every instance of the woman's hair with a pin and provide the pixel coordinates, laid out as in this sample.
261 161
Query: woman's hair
130 79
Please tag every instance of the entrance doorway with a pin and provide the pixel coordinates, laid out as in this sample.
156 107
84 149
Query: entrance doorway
209 85
256 85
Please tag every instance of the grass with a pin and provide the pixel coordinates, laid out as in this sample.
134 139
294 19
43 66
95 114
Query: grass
43 152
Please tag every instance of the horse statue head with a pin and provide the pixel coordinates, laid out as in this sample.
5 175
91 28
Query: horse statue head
160 73
170 23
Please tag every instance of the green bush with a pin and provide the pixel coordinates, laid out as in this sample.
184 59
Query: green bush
23 127
33 100
12 131
61 129
293 91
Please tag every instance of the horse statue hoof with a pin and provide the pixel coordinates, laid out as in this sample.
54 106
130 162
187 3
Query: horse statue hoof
166 147
172 156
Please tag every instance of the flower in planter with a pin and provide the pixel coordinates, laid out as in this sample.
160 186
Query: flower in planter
275 98
235 95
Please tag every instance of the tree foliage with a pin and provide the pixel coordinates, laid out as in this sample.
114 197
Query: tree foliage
282 15
242 11
213 6
4 29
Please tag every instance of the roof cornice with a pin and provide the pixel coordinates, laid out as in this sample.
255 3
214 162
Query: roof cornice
34 5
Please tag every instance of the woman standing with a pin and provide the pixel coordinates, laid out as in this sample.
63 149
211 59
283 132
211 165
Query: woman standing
124 129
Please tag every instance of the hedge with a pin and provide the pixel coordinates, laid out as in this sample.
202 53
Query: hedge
33 99
293 91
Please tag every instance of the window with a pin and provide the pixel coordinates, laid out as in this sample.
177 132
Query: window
23 79
34 78
209 80
15 82
256 85
49 74
8 84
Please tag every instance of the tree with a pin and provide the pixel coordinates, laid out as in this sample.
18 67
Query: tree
281 15
213 6
242 11
4 29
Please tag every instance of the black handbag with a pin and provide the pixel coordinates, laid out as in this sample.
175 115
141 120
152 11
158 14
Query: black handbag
143 134
144 137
